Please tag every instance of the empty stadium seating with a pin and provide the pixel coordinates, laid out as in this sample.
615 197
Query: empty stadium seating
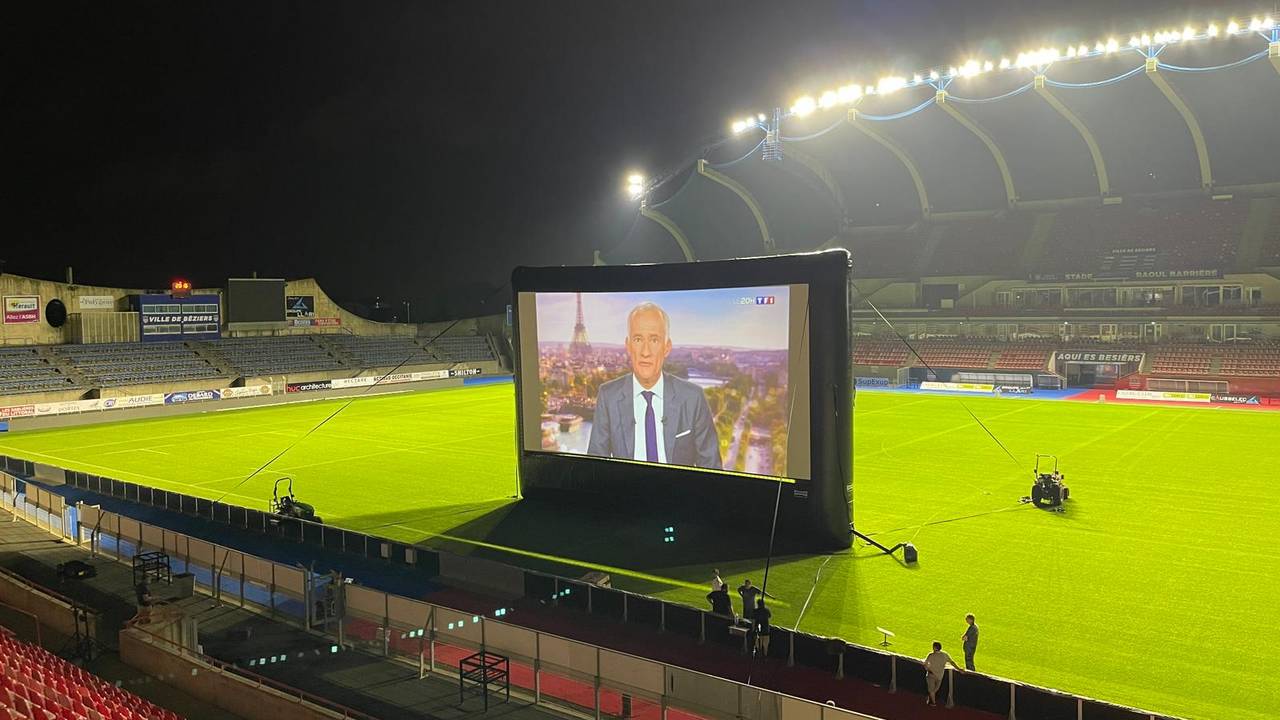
987 247
1189 233
954 354
1183 360
1024 357
275 355
119 364
38 685
891 353
388 351
22 370
1262 360
886 254
462 348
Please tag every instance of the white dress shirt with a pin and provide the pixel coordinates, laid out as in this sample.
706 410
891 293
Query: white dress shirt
640 407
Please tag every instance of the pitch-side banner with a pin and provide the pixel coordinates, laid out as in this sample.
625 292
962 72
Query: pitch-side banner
958 387
1164 396
1236 399
248 391
186 396
390 379
124 402
308 386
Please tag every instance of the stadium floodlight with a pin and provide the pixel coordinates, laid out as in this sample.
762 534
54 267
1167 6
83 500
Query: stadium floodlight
760 117
1233 27
1005 63
933 74
738 126
1212 30
1112 45
1083 50
828 99
916 79
988 66
890 84
804 106
1071 52
1188 32
1268 23
1146 40
635 186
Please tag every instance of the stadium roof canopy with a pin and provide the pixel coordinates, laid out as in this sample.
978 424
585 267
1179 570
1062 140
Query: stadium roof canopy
1179 111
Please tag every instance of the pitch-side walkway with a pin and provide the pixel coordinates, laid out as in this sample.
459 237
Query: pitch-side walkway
373 685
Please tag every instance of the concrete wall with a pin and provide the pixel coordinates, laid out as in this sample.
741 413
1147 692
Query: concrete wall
213 685
40 333
53 613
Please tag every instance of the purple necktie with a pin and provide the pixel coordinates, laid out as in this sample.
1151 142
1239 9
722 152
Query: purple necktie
650 428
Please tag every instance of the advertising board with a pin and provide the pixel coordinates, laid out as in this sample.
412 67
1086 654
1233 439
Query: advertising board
21 309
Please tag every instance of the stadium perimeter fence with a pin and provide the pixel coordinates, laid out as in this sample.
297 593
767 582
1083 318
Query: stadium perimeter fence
550 669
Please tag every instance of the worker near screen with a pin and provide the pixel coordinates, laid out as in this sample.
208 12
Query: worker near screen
648 414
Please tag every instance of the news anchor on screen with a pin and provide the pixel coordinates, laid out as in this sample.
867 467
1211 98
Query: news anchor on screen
648 414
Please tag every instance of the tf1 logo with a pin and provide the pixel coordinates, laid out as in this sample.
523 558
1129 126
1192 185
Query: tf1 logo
757 300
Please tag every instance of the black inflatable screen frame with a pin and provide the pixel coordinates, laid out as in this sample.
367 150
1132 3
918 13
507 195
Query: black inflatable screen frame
817 511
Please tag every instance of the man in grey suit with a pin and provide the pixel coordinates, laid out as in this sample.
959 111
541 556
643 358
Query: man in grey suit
650 415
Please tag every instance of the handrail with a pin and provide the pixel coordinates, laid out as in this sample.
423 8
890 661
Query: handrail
262 680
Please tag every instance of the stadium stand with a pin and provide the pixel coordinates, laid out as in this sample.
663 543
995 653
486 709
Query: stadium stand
463 348
955 354
38 685
275 355
1023 357
22 370
890 353
888 253
987 247
380 351
1179 234
1253 360
1183 360
119 364
1270 255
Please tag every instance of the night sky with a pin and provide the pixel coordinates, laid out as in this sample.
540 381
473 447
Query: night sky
420 150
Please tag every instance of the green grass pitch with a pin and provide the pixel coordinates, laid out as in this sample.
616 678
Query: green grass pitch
1157 588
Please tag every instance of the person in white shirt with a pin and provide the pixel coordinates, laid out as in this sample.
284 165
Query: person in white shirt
935 667
716 582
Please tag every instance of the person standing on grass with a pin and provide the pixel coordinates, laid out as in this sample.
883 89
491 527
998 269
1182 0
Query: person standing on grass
750 595
970 640
935 667
716 582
